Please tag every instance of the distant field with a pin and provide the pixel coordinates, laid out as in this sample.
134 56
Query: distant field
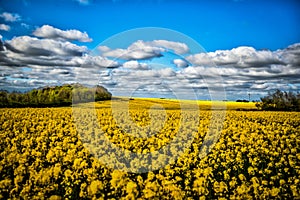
171 103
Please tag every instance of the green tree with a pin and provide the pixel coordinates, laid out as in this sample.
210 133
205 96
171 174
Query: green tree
280 100
54 96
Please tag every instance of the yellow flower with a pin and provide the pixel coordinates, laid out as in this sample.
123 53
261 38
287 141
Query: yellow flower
282 182
95 187
264 182
55 197
77 162
200 186
220 187
82 192
255 181
56 170
131 187
226 175
68 173
274 192
243 189
251 171
242 177
150 189
294 190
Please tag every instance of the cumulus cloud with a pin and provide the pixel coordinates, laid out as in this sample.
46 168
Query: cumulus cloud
177 47
44 47
133 64
122 81
97 61
141 50
25 50
103 49
28 61
47 31
290 55
237 71
137 51
10 17
180 63
237 57
4 27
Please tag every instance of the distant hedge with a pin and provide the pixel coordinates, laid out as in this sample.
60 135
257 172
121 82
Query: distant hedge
280 101
54 96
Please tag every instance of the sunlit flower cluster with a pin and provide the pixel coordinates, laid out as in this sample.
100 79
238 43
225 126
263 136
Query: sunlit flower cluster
42 156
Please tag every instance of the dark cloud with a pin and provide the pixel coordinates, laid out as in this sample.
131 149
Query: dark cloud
1 44
291 55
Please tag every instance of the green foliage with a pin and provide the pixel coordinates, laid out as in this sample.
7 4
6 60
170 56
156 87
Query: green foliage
281 101
54 96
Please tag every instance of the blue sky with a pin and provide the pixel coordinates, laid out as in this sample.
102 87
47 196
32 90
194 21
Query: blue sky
221 24
227 29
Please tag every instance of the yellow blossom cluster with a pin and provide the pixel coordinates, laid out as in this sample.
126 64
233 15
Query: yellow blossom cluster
257 155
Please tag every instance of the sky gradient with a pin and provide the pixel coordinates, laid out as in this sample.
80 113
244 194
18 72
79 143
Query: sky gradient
253 45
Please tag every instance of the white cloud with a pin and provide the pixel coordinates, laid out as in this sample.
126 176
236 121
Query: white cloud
83 2
103 49
47 31
25 50
4 27
131 54
97 61
141 50
10 17
180 63
136 51
238 71
25 25
44 47
237 57
177 47
243 69
167 72
133 64
200 59
28 62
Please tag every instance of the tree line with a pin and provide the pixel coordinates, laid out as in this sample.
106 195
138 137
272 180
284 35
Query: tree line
54 96
280 101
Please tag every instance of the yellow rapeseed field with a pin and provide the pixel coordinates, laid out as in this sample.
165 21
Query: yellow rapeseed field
257 155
